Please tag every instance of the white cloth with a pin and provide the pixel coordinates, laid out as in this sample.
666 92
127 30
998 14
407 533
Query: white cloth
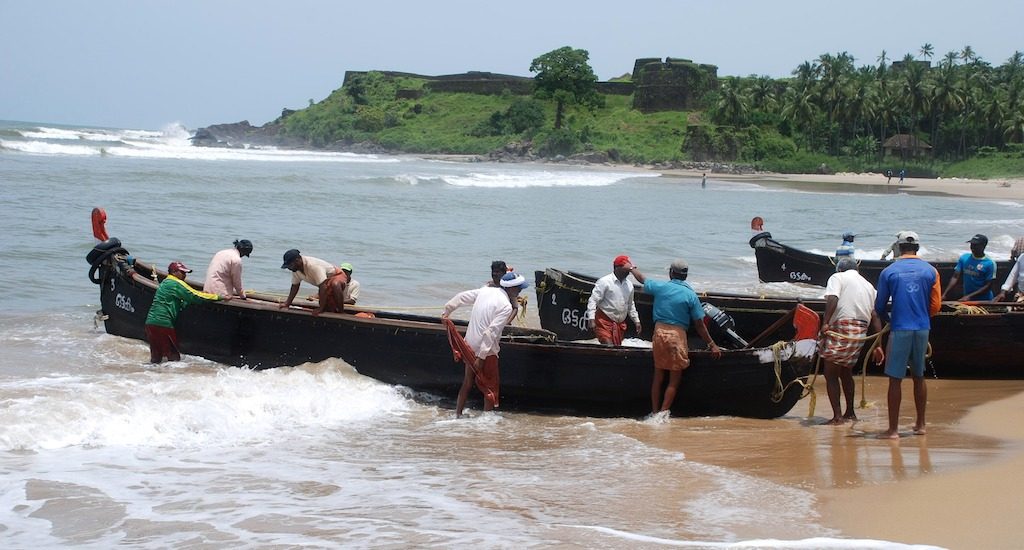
491 312
614 297
352 291
224 274
855 296
1016 275
314 271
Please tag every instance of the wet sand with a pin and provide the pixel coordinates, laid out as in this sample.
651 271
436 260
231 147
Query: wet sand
958 486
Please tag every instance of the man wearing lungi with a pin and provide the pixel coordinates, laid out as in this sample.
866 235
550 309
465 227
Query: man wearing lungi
611 302
675 306
330 280
849 308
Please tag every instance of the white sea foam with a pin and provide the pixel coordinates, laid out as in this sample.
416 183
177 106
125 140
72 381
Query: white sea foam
185 404
510 179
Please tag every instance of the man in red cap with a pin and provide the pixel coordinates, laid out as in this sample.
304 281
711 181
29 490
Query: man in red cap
610 304
172 296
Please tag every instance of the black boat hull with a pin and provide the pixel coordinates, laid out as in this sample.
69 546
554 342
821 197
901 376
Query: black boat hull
413 351
964 345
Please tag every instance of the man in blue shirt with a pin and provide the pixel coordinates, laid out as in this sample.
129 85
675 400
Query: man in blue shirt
977 270
846 249
913 285
676 306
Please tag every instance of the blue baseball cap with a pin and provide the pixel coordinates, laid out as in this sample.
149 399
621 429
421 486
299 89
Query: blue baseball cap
513 279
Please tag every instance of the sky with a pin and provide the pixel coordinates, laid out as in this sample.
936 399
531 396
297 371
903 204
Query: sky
146 64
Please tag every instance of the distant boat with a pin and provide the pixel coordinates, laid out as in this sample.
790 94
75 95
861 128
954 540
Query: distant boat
538 373
779 263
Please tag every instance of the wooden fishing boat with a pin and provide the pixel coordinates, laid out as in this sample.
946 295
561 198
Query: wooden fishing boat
538 373
976 340
779 263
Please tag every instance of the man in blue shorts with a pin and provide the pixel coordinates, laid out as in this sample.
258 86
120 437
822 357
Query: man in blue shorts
913 285
977 270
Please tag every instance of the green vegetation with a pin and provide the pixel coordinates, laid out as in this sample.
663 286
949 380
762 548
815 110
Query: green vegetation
960 118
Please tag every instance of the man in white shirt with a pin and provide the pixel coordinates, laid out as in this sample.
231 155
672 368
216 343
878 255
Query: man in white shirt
492 310
849 308
1015 278
329 279
611 302
224 274
352 290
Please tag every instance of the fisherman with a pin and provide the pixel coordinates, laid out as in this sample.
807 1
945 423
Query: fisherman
492 310
849 308
846 249
1014 279
676 306
224 274
352 288
611 302
893 250
913 285
172 296
329 279
978 272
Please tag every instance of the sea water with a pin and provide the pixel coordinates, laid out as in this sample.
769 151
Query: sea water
99 448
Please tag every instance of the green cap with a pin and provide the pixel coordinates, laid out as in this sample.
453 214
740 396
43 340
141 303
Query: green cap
346 266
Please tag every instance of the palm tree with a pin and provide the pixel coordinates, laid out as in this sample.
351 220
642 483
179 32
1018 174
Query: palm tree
926 51
801 109
967 54
732 105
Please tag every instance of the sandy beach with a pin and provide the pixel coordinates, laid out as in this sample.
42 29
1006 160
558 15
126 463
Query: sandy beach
1006 189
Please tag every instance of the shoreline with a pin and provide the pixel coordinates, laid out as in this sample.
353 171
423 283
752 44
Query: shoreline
999 189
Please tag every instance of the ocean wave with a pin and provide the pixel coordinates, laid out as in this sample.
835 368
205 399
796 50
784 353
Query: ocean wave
515 180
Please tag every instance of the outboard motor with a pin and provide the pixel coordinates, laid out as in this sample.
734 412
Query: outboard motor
725 322
100 253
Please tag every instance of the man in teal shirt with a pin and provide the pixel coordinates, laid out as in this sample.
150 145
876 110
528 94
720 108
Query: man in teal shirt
977 270
676 306
172 296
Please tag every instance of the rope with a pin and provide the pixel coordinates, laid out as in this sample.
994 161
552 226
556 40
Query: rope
779 391
967 309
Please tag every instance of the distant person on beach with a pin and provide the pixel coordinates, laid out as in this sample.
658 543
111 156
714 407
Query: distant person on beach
903 173
703 181
888 177
329 279
611 302
913 286
492 310
224 274
352 288
893 250
676 306
977 270
846 249
849 309
172 296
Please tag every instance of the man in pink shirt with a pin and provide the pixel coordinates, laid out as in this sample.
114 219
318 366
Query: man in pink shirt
224 274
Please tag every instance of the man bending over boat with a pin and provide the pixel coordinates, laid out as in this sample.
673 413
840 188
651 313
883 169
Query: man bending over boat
172 296
329 279
675 306
611 302
492 310
849 308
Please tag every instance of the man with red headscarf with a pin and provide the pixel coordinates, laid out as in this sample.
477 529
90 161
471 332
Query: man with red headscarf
610 304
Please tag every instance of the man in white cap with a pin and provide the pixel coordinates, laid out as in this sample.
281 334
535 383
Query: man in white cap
492 310
849 311
676 307
913 285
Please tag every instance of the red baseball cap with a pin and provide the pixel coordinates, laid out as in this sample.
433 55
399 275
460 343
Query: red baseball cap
178 266
621 261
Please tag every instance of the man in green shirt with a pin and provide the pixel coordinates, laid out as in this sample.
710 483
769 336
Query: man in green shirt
172 296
